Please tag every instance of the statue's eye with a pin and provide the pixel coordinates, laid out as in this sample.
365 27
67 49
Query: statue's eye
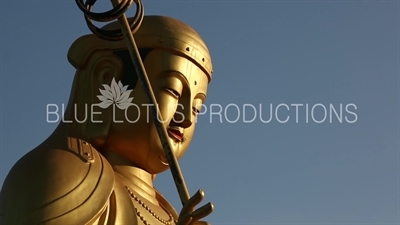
195 111
174 92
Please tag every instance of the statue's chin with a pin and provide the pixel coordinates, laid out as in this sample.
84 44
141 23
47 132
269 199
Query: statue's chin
163 162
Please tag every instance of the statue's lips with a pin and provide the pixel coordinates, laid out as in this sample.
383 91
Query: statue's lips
175 134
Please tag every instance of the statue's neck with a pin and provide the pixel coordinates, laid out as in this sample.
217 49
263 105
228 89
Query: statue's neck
140 181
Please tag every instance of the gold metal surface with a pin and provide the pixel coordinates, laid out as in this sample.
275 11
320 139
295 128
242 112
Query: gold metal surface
155 32
91 172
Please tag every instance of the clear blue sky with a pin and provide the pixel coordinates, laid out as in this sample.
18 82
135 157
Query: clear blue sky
264 52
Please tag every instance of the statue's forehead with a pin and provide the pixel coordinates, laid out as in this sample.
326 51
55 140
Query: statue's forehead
198 82
162 64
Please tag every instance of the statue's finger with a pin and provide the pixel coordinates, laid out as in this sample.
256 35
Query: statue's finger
185 220
203 211
192 202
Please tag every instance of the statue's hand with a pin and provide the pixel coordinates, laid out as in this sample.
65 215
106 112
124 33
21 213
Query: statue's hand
189 216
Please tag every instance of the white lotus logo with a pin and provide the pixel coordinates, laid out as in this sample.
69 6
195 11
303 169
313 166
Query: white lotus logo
116 94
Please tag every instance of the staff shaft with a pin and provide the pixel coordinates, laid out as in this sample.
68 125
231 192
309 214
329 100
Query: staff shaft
155 112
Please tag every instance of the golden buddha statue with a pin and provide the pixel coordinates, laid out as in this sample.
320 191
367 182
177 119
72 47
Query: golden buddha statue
98 166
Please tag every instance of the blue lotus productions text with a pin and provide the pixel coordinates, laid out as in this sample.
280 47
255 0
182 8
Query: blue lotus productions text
281 113
232 113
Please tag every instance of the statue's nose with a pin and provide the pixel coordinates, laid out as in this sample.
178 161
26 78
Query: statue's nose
186 123
183 117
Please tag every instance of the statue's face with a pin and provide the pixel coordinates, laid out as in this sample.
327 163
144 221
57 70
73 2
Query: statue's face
180 88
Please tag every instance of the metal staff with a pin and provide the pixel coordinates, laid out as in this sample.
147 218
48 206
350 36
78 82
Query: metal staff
127 28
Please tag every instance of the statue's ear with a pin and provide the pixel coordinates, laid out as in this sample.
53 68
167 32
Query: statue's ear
106 67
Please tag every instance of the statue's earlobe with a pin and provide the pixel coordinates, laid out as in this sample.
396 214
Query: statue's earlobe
105 69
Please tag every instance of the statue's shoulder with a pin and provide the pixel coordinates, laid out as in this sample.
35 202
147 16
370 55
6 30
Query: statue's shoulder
67 185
